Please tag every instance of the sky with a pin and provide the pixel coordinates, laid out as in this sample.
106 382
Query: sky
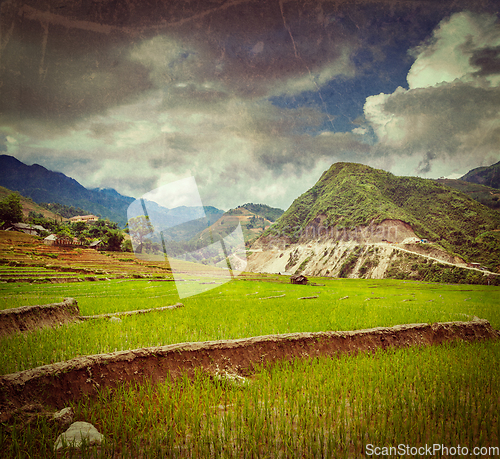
252 98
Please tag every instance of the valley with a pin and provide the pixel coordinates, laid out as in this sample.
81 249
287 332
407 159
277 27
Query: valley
402 298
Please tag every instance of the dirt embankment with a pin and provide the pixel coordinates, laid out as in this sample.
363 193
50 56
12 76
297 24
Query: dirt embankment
27 318
58 383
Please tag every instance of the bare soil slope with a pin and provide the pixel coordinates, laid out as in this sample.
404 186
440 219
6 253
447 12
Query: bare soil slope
28 318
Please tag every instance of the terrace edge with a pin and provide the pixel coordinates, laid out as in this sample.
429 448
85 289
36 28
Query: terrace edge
58 383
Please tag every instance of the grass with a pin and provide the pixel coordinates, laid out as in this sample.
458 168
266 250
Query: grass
313 407
229 311
316 407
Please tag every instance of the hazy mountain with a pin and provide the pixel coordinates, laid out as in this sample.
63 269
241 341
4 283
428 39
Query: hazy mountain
489 176
181 223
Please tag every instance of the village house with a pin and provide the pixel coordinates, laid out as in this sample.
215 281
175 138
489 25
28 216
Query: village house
34 230
96 245
66 241
84 218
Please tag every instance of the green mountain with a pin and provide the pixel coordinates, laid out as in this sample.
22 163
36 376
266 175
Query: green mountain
264 211
488 196
30 206
489 176
351 195
253 218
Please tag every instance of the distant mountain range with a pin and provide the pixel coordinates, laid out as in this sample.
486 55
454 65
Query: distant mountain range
42 185
181 223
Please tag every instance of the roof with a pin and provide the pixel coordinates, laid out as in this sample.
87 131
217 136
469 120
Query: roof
80 217
28 227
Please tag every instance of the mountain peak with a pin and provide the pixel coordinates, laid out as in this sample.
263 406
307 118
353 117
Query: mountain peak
350 195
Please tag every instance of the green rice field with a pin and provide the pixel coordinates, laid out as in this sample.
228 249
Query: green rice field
229 311
344 407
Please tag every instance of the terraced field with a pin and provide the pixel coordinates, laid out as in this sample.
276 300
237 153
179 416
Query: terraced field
27 258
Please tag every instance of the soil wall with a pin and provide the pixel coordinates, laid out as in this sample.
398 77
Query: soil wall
26 318
57 383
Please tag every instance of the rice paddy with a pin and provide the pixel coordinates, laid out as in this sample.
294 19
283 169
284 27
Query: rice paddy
313 407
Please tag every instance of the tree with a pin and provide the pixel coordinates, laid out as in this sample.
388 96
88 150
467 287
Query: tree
115 239
139 227
11 209
127 246
78 227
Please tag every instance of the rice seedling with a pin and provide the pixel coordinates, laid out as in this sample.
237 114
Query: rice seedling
314 407
228 312
321 407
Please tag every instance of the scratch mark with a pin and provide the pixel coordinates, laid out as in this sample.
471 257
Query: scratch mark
288 29
330 118
4 42
43 71
47 17
57 19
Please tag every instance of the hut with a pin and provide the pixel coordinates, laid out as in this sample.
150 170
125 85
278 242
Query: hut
298 279
96 245
50 240
34 230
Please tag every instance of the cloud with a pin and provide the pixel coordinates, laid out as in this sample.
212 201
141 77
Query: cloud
135 99
451 112
450 53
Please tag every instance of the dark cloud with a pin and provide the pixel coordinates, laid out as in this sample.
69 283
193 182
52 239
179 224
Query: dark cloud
425 165
258 96
488 60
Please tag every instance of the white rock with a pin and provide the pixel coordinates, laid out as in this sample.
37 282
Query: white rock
115 320
77 434
64 417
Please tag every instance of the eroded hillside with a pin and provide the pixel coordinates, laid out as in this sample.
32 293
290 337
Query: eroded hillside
362 222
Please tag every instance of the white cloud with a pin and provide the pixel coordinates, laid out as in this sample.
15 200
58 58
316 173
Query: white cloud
447 57
450 115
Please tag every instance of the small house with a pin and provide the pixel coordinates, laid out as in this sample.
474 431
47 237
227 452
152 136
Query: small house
473 265
50 240
298 279
54 239
96 245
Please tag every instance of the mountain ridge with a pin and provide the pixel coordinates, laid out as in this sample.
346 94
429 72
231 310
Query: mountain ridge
350 196
485 175
43 185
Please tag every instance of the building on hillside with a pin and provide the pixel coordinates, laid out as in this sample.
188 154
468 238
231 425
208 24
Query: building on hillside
474 265
84 218
66 241
50 240
34 230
